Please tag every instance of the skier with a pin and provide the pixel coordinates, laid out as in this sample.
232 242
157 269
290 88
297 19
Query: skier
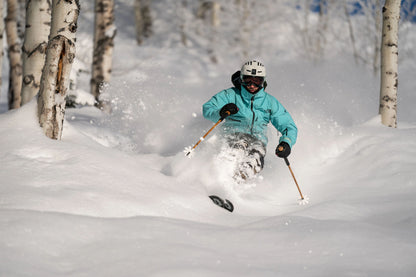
248 109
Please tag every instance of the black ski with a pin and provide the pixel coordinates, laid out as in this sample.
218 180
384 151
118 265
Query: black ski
223 203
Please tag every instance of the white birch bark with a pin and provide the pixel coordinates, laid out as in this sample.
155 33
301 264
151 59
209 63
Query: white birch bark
38 20
105 31
139 21
14 53
389 63
60 55
147 18
144 20
215 16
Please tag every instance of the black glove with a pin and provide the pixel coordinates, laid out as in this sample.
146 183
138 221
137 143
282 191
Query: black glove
228 109
283 150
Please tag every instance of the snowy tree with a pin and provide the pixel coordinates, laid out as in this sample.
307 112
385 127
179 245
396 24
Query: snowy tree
369 33
143 20
14 53
38 19
105 32
389 63
319 41
209 11
313 26
351 32
60 55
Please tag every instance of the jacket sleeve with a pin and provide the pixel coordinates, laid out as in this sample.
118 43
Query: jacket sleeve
211 109
283 122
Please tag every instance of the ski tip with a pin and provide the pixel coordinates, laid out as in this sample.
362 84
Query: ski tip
228 205
217 200
223 203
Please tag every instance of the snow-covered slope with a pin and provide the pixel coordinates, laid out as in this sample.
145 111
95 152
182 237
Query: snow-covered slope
117 196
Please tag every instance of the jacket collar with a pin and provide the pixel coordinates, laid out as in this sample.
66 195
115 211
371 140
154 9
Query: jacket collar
247 95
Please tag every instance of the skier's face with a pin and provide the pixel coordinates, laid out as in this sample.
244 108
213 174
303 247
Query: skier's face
253 83
252 88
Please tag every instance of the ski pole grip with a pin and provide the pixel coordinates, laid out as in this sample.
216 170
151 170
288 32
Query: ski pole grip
281 148
224 117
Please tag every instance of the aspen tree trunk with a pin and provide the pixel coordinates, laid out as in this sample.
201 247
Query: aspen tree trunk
60 55
389 63
143 20
305 30
351 32
139 21
320 39
38 20
15 56
105 31
209 11
215 16
1 43
147 18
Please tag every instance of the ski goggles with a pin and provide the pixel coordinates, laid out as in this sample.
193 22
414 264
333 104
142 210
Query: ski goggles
253 80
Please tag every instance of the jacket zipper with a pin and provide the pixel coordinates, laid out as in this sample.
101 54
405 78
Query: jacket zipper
254 115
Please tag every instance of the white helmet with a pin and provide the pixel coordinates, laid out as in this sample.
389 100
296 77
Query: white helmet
253 68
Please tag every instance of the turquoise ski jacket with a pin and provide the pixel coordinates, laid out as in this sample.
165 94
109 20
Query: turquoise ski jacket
255 112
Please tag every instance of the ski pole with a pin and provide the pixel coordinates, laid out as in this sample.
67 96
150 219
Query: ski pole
293 175
209 131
